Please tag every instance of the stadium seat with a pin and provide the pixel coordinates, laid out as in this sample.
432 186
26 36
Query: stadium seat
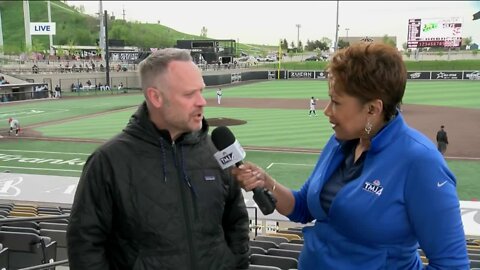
262 267
59 236
19 229
296 241
27 249
295 229
473 250
3 257
297 232
473 256
61 221
14 213
263 244
257 250
291 246
28 224
276 239
284 253
289 236
474 263
280 262
53 226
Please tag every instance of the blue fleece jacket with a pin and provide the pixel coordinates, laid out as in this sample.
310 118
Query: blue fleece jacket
404 198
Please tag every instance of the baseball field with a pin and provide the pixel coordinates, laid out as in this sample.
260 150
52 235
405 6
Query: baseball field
269 118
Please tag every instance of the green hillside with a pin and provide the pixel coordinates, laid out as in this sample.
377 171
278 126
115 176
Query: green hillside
76 28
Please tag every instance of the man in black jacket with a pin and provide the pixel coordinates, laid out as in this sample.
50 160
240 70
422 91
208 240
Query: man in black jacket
442 140
154 197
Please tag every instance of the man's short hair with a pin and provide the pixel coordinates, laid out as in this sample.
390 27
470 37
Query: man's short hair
156 64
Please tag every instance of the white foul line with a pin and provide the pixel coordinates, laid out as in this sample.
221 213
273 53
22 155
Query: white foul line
40 169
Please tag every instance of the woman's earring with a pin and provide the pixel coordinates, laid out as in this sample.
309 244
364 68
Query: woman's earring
368 127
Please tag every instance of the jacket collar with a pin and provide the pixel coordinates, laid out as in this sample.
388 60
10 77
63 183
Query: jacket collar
141 127
386 135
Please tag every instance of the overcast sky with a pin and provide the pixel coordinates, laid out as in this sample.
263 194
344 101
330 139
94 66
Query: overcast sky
266 22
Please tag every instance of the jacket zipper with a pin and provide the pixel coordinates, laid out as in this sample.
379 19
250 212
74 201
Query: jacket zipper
185 208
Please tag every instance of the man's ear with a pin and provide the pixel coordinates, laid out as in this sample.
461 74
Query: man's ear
154 96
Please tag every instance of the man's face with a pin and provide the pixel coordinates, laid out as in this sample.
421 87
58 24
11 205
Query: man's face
183 102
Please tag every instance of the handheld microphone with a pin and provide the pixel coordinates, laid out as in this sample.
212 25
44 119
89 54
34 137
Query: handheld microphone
230 152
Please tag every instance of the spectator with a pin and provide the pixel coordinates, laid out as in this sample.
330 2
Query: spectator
154 197
58 91
35 69
380 189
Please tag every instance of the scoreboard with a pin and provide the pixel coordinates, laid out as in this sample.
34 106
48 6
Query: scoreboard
437 32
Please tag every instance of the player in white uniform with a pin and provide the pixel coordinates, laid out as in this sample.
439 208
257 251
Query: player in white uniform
313 102
219 95
14 125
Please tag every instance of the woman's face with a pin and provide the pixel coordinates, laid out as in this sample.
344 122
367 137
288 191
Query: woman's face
347 115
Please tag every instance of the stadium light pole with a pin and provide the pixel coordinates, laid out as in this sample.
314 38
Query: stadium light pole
347 29
26 20
1 35
298 35
101 34
336 30
107 60
50 37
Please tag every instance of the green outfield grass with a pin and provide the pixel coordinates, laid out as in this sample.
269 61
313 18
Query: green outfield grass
266 127
464 94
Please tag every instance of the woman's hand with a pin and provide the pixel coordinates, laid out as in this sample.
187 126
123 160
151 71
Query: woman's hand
250 176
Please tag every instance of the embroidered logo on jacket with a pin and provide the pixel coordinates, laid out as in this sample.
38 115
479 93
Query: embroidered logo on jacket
374 187
209 177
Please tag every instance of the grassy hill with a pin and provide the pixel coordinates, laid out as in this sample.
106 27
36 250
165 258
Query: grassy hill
76 28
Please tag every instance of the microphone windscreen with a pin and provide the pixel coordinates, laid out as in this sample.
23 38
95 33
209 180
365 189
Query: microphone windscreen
222 137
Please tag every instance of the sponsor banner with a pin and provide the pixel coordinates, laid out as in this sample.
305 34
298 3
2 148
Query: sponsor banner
321 75
272 75
471 75
301 74
447 75
124 56
42 28
418 75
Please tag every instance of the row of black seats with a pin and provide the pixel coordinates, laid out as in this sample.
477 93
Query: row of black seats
31 243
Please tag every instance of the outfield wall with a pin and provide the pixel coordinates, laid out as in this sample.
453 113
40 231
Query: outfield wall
130 79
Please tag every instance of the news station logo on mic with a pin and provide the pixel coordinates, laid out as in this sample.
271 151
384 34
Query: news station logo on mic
229 156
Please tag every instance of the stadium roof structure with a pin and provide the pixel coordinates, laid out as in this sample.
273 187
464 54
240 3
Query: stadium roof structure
476 16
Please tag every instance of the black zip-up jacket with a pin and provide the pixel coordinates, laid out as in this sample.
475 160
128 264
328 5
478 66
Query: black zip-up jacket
145 202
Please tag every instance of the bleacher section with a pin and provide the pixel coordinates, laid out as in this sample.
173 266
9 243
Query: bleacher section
275 251
275 242
27 243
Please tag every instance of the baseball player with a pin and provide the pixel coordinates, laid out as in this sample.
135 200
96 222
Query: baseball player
313 102
219 95
14 124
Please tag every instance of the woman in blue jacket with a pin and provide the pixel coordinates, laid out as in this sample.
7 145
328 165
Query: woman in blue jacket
380 189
